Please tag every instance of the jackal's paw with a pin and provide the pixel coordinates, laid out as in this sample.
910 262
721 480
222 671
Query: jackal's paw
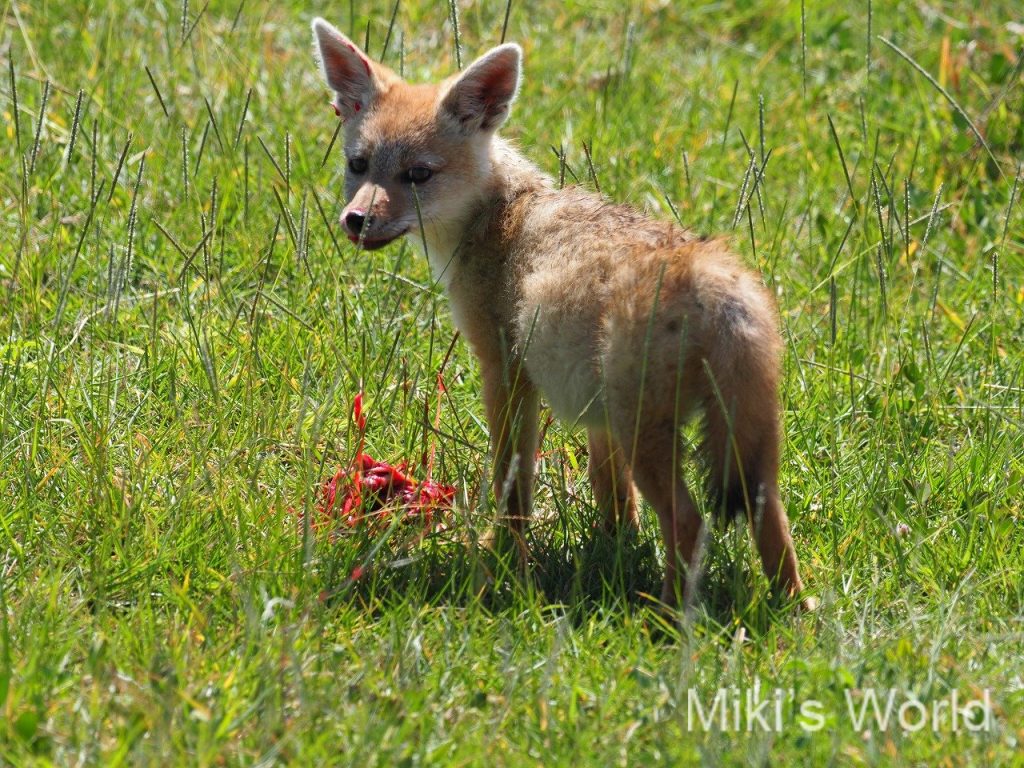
808 604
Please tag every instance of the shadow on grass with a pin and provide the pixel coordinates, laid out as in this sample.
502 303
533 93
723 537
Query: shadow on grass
583 573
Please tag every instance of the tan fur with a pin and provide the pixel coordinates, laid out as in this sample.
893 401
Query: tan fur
628 326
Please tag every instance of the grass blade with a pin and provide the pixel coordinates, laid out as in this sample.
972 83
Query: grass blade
453 16
156 90
241 120
74 127
39 128
504 24
391 27
15 113
947 96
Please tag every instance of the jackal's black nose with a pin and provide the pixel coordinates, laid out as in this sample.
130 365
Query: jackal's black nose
354 221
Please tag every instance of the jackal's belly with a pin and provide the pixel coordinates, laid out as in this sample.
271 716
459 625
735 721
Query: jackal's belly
560 354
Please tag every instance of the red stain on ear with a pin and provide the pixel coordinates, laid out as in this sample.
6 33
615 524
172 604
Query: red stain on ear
336 110
358 106
366 64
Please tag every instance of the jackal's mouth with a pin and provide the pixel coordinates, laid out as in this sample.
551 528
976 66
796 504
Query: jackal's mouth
373 243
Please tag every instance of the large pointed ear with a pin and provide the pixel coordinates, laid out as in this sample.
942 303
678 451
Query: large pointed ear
347 70
480 98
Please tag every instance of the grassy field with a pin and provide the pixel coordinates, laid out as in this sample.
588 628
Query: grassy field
183 330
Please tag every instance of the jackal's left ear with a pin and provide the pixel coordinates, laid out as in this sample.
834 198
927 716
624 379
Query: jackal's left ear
481 96
347 70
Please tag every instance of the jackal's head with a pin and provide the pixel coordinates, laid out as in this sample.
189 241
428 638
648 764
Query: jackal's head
415 152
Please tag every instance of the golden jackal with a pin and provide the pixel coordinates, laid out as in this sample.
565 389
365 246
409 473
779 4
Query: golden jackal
627 325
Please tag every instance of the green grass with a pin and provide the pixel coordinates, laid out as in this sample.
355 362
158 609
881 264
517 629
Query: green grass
183 329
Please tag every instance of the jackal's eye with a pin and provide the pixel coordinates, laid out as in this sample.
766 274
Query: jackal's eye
417 174
358 165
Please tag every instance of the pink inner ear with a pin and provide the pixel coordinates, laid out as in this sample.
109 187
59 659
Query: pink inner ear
496 85
348 72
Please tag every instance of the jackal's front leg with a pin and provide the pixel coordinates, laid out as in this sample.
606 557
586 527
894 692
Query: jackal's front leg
612 481
512 411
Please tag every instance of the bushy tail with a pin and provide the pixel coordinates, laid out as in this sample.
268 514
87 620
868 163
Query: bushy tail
742 450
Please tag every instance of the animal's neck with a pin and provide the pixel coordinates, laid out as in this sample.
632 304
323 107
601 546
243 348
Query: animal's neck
508 175
512 174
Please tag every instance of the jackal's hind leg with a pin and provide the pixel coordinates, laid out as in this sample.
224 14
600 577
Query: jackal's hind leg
743 449
658 476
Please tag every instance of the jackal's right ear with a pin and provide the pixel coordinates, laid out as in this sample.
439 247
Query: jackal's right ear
481 96
347 70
